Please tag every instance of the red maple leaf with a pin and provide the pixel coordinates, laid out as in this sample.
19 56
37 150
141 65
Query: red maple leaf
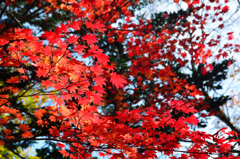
96 26
99 89
39 113
100 80
101 154
64 152
225 9
90 38
27 134
97 69
40 72
83 101
60 145
102 58
192 120
24 127
210 67
221 26
97 98
208 8
72 39
13 80
117 80
46 83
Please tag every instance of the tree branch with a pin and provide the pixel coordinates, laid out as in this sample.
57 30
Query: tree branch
222 116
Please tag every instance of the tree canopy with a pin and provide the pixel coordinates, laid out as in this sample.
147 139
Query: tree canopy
94 76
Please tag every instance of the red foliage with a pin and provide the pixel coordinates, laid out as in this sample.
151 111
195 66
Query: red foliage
136 133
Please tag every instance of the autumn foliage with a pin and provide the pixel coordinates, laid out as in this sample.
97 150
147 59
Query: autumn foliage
72 82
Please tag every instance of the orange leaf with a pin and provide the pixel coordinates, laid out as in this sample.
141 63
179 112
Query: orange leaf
13 80
24 127
27 134
39 113
7 131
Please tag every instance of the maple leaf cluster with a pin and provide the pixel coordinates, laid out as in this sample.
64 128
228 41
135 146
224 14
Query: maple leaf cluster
69 68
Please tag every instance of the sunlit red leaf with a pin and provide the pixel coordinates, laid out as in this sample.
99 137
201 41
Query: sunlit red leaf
90 38
13 80
117 80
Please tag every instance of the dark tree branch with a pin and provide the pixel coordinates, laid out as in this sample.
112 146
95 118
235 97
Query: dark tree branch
36 13
222 116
